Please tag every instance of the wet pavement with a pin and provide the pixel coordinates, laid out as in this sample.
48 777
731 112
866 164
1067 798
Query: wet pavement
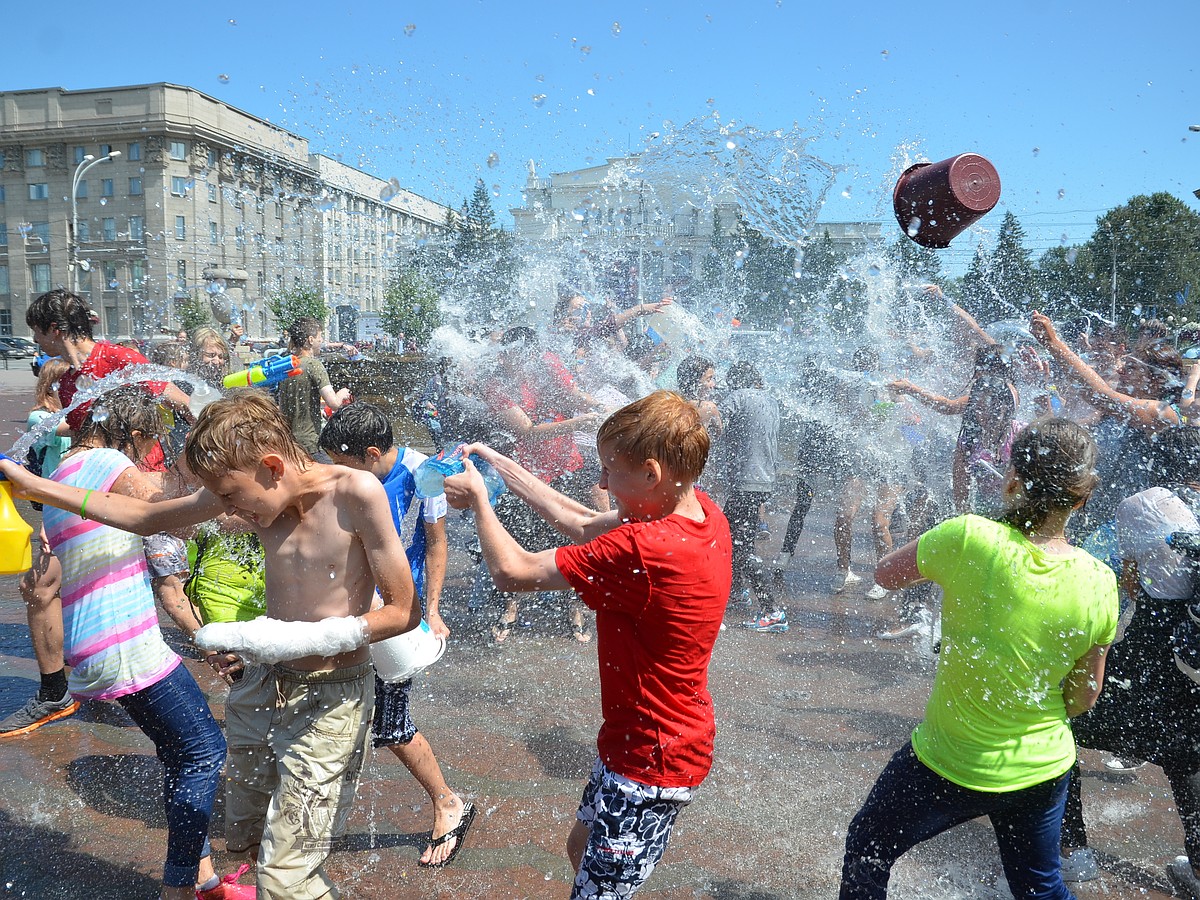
806 720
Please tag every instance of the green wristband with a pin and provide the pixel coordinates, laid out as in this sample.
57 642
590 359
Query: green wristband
83 505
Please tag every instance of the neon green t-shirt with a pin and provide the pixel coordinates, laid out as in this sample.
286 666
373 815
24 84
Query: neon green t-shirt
1014 621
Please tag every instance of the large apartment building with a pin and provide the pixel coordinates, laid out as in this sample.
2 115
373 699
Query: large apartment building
179 196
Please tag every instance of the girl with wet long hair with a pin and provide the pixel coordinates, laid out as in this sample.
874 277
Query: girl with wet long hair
1026 622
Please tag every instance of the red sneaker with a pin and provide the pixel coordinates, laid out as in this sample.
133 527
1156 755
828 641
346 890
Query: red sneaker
229 889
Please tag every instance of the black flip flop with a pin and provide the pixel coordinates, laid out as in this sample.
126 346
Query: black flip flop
458 831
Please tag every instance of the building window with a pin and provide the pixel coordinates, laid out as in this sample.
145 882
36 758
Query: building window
212 193
40 191
137 228
110 228
279 210
80 153
212 232
135 151
137 274
41 230
179 185
39 274
181 228
3 233
35 159
110 277
81 191
212 158
3 159
262 284
83 233
135 186
181 274
105 149
4 280
1 192
178 150
106 187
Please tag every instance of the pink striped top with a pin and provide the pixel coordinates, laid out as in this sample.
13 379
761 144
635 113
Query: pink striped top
111 637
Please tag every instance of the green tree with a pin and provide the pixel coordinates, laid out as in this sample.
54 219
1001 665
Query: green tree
288 305
485 264
194 312
913 264
1151 248
1011 269
768 275
410 307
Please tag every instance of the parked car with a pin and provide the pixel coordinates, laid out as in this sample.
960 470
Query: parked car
10 349
29 345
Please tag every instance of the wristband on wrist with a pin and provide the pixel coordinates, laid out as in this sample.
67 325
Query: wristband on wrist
83 505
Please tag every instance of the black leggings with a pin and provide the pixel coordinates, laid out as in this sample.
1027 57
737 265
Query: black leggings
741 509
795 525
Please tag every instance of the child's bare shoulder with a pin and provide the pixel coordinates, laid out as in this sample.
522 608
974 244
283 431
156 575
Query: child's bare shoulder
343 484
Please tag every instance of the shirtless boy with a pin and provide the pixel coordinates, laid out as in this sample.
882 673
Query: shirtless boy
657 571
298 714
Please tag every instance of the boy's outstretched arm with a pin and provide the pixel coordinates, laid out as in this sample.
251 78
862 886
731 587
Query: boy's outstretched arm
126 513
569 517
372 522
512 567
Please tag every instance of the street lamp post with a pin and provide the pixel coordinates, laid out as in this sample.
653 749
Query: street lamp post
73 244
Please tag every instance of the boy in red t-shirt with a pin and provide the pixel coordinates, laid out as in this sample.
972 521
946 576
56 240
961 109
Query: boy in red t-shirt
657 571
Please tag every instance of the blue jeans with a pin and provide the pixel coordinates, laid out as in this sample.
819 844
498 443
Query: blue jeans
188 742
911 803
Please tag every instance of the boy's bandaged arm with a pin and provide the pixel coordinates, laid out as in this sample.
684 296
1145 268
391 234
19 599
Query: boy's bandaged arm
266 640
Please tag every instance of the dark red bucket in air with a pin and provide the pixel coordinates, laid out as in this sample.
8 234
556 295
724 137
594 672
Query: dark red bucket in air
936 202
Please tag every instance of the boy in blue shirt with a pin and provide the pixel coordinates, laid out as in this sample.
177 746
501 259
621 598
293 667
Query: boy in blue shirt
359 436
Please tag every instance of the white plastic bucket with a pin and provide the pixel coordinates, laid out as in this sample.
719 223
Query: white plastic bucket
402 657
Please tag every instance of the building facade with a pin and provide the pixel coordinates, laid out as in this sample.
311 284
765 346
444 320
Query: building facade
180 198
647 234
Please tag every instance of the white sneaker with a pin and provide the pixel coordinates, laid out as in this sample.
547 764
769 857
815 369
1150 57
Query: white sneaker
844 579
1184 878
1082 866
877 592
781 561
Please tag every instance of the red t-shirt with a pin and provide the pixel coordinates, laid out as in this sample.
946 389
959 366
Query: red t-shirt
542 398
105 359
659 590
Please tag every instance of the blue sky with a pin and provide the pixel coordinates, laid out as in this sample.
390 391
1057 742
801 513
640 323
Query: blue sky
1079 106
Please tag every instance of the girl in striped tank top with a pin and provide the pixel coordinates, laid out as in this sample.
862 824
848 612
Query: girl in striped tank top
112 641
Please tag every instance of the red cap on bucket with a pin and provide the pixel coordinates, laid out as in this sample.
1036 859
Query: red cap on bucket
936 202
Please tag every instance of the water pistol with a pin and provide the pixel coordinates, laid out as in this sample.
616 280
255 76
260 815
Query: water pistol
264 372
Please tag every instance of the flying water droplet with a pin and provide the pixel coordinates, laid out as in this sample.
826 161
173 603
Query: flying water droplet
409 29
100 413
579 213
104 201
873 271
539 100
914 226
1061 193
884 54
493 160
1037 150
731 144
223 78
846 192
495 190
390 190
616 29
585 49
233 21
1071 254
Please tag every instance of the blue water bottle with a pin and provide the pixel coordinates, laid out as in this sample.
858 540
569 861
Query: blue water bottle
431 475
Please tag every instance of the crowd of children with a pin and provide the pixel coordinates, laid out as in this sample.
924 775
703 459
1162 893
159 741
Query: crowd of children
309 544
